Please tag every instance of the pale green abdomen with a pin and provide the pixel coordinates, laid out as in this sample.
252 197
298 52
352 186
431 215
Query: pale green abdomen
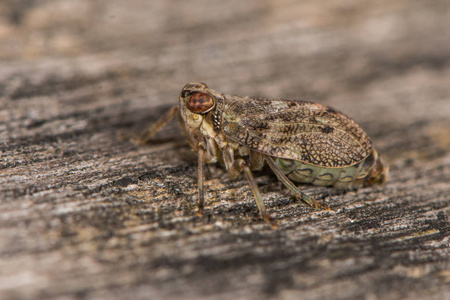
342 177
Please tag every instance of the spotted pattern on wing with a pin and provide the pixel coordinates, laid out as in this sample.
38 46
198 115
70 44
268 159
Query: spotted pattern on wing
297 130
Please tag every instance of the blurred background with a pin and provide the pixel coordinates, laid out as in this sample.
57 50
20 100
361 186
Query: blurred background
277 48
76 73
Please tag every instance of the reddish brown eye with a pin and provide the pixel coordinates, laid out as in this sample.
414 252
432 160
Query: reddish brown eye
200 103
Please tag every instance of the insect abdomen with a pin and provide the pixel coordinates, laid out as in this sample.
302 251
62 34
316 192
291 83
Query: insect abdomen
369 171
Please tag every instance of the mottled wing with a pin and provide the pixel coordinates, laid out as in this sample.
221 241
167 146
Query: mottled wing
297 130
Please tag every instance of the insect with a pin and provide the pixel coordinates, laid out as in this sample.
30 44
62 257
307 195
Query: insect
301 141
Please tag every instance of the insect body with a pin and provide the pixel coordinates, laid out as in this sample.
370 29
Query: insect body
301 141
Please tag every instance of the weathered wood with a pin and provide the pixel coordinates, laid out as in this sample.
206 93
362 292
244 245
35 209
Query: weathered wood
86 214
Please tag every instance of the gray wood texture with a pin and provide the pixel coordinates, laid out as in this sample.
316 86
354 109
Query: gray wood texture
86 214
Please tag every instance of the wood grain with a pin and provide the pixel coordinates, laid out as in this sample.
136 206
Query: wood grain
87 214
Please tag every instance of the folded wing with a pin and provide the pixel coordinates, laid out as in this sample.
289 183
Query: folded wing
297 130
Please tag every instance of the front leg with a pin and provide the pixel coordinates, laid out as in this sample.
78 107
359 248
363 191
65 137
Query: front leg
207 153
201 164
147 134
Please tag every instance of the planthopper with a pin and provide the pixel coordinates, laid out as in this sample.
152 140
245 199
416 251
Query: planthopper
300 141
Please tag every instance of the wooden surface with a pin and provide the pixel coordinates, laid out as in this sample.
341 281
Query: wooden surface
86 214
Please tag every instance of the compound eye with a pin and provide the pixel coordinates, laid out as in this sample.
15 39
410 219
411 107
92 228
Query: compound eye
200 103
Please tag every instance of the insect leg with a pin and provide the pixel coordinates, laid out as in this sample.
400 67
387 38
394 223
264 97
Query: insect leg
201 163
234 168
297 193
146 135
254 186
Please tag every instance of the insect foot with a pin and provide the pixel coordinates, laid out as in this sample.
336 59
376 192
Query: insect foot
301 141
